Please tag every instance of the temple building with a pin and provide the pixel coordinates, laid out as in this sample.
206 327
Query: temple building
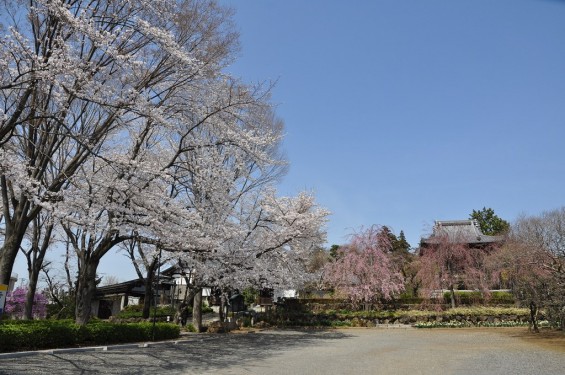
459 231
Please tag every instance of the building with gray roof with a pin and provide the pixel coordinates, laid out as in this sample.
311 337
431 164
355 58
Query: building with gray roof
460 231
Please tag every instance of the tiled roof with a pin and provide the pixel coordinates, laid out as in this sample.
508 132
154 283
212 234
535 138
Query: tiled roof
460 231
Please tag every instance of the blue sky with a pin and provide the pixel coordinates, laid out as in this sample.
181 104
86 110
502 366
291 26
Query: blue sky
402 112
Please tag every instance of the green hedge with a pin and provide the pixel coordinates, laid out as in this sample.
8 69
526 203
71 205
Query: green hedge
477 298
48 334
135 311
481 315
33 335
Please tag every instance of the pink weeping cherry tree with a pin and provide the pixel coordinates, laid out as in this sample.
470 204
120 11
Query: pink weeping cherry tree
364 271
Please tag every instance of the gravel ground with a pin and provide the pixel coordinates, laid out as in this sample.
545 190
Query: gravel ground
344 351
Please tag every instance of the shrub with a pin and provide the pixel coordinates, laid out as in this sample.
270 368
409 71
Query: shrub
45 334
463 324
136 311
190 327
464 297
15 302
475 297
502 297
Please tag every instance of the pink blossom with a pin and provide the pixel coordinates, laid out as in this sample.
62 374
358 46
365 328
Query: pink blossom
15 302
365 271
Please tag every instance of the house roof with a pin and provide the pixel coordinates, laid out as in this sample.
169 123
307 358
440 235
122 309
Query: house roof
133 287
460 231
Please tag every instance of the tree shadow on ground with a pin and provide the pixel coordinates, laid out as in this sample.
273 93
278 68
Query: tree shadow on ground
206 353
547 337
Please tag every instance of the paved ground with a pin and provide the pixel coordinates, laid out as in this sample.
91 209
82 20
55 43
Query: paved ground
348 351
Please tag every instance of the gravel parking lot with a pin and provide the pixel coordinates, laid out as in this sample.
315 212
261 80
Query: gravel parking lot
361 351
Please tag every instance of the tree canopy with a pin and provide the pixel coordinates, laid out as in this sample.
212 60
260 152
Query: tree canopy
366 271
489 222
119 123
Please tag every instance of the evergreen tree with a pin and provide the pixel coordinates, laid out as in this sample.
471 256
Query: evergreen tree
401 243
489 222
334 251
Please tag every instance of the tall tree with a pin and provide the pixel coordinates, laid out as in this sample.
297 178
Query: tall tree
401 244
334 251
448 261
146 264
366 271
119 121
489 222
541 242
516 266
74 75
39 242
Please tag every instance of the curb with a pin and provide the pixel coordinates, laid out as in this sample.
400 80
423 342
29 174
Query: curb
394 326
104 348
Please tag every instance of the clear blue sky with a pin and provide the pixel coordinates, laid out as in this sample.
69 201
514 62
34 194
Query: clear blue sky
402 112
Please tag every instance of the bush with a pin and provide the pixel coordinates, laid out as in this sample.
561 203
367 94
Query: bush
476 298
472 315
502 297
190 327
136 311
46 334
464 298
15 302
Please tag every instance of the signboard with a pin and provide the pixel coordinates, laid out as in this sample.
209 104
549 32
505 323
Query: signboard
3 292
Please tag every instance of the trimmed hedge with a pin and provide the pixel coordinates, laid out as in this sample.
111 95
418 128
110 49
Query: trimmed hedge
136 311
476 316
475 297
49 334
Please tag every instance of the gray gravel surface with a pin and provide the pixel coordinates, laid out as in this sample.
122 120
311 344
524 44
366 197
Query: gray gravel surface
347 351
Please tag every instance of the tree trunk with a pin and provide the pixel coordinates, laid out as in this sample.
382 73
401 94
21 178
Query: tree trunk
85 290
35 258
30 295
187 299
452 296
197 310
534 316
12 241
222 305
15 228
148 300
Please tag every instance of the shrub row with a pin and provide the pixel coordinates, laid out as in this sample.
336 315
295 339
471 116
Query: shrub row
478 316
474 297
136 311
48 334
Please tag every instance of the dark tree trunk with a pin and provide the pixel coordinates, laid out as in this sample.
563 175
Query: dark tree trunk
15 227
222 306
31 288
149 290
452 296
534 316
197 310
35 257
85 291
13 238
148 300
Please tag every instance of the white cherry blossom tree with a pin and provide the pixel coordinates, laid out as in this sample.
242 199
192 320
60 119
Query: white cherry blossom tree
74 75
